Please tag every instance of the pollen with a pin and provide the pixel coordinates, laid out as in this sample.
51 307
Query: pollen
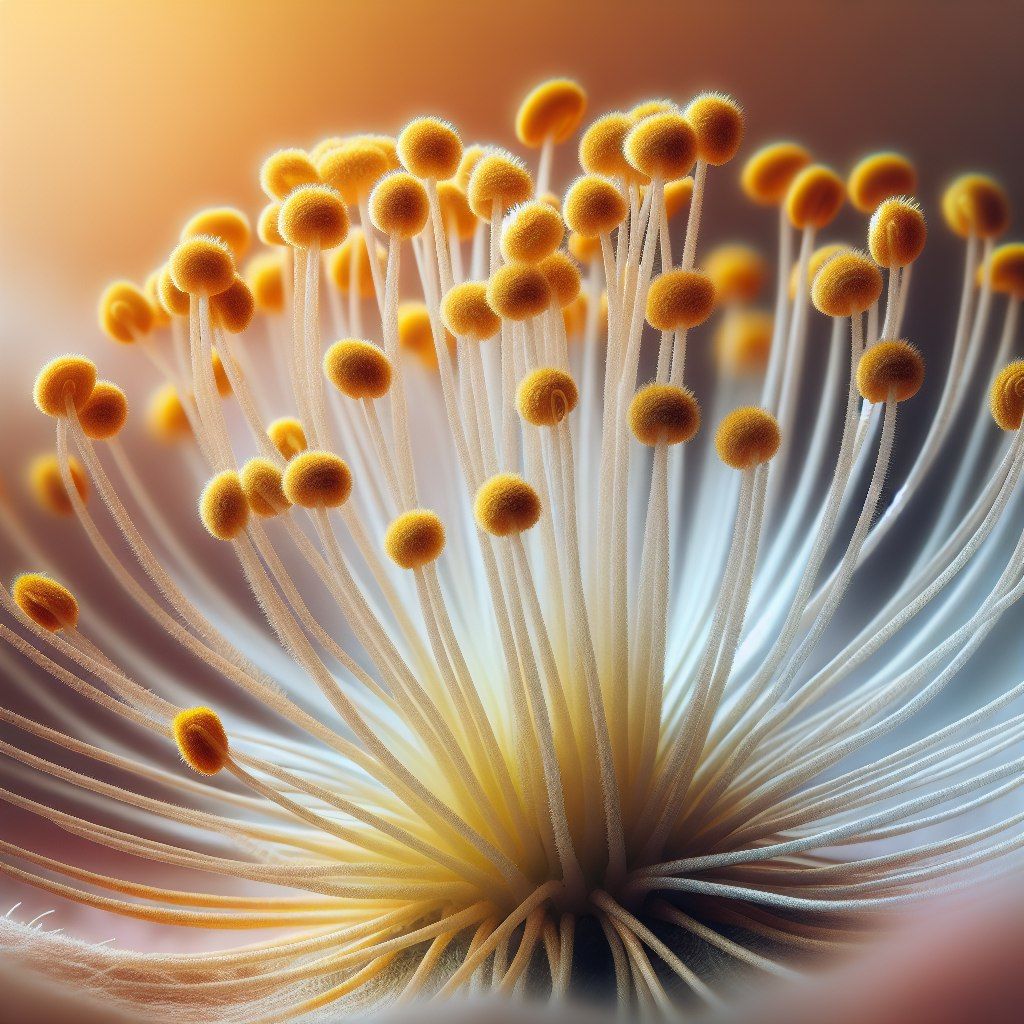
897 232
586 248
430 148
747 437
161 318
234 308
878 177
202 741
593 206
126 312
519 291
415 538
165 415
531 232
890 369
664 412
563 277
416 333
768 174
467 313
848 283
287 436
818 259
719 124
358 369
267 226
265 277
552 110
47 484
262 487
45 601
1006 269
285 171
498 179
546 396
737 271
105 411
313 215
602 147
975 204
1006 398
399 205
172 298
815 197
202 266
471 156
231 226
680 299
353 168
317 479
662 146
222 506
677 197
506 504
66 378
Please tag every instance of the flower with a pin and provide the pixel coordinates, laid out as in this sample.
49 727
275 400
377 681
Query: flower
550 683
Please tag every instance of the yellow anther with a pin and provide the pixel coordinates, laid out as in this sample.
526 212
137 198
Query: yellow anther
66 378
530 232
399 206
602 147
743 342
267 226
552 110
430 148
593 206
563 277
498 179
358 369
202 741
719 123
814 198
662 146
586 248
234 308
286 170
315 479
818 259
467 313
165 415
747 437
416 333
231 226
546 396
506 504
47 484
125 312
1006 269
897 232
1006 399
680 299
222 506
45 601
976 204
161 318
354 167
105 411
265 277
202 266
678 194
648 108
261 485
518 291
664 412
172 298
415 538
354 248
313 215
738 272
768 174
890 369
848 284
878 177
287 436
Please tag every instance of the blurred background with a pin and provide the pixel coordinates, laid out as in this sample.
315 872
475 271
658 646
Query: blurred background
120 118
